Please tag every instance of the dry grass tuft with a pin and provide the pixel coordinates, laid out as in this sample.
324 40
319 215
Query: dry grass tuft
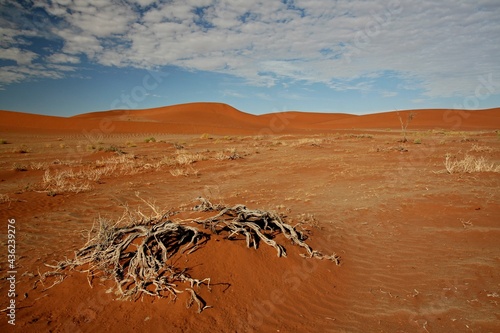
4 198
64 181
78 177
206 136
228 154
469 164
179 172
113 149
184 171
480 149
39 165
185 158
19 167
22 150
314 142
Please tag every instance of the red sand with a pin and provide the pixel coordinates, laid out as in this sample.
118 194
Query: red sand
419 246
218 118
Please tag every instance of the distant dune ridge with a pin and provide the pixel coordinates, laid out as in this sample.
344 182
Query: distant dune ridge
219 118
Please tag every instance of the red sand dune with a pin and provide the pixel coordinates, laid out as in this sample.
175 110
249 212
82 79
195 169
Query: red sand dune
217 118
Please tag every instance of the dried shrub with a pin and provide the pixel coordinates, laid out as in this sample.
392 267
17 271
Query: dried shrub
140 257
469 164
255 226
228 154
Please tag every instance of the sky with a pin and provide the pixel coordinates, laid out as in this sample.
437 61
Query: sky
66 57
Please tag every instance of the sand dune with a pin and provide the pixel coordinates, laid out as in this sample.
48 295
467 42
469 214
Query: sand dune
217 118
424 119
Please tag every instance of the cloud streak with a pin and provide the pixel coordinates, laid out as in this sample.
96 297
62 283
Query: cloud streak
438 47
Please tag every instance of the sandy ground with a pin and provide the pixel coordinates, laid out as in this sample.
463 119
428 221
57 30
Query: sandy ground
418 245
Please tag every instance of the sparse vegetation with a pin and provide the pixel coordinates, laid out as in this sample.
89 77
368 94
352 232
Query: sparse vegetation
150 139
405 123
467 139
417 141
22 150
64 181
4 198
178 146
206 136
39 165
228 154
361 136
469 164
480 149
185 158
179 172
19 167
3 142
114 149
314 142
184 171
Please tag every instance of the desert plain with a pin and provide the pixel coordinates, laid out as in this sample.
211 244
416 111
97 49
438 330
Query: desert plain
413 216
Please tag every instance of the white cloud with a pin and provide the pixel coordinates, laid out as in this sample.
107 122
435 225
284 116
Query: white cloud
80 43
232 93
21 57
438 47
389 93
63 58
15 74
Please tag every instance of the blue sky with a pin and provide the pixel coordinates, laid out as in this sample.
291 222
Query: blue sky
65 57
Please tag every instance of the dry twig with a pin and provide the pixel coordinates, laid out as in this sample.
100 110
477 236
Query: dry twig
256 225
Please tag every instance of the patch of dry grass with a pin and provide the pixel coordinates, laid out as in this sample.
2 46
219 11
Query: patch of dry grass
19 167
480 149
185 158
78 177
185 171
39 165
469 164
4 198
22 150
64 181
205 136
227 154
315 142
